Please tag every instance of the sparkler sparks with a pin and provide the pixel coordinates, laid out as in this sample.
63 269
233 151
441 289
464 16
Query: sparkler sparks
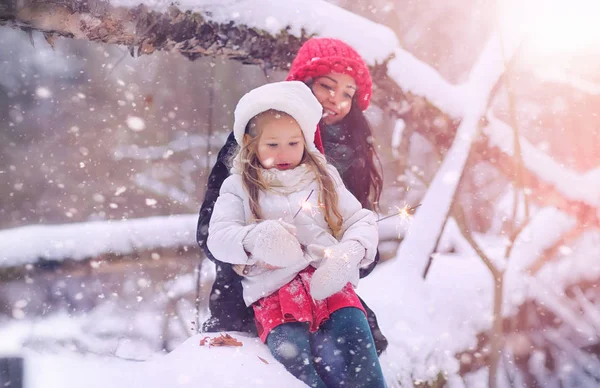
305 205
405 212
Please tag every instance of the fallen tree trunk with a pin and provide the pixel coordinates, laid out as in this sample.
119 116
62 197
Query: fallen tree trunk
189 33
145 31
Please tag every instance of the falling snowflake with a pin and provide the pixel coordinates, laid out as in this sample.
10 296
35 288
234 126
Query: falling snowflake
98 198
287 350
136 123
143 283
268 163
450 177
273 23
565 250
18 313
43 92
21 304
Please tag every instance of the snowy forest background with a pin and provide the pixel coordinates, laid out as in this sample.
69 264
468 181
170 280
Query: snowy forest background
104 159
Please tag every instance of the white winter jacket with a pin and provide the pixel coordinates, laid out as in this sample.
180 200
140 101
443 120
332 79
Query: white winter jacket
232 220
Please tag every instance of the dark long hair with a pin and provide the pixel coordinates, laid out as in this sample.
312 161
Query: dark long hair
363 177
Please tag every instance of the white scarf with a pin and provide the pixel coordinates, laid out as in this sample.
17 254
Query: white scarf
288 181
284 181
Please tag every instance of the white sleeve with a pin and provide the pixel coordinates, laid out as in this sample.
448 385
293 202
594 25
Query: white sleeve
359 224
228 226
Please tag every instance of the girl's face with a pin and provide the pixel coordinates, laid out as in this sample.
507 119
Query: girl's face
281 141
335 92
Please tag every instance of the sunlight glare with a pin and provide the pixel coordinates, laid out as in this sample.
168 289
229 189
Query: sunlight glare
555 26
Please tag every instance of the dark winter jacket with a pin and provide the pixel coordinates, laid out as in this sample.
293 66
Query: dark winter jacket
226 304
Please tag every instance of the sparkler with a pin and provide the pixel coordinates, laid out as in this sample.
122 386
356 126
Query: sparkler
405 212
304 205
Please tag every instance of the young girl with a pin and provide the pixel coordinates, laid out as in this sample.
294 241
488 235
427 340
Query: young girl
340 80
286 216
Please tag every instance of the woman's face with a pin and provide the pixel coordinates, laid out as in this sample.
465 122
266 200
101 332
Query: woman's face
335 92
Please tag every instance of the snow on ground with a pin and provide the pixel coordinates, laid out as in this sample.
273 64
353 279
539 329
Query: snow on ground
190 365
425 326
429 322
49 363
425 322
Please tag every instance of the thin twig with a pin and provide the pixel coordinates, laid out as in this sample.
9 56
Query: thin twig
437 243
453 202
516 141
460 221
517 150
197 304
514 236
551 253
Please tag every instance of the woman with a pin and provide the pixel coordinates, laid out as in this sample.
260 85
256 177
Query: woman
340 80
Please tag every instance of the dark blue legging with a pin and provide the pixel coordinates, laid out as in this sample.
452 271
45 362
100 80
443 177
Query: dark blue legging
340 354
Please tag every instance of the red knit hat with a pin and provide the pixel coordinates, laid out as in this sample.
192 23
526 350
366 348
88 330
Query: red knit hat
320 56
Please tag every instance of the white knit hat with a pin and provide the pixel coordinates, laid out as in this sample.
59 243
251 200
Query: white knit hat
291 97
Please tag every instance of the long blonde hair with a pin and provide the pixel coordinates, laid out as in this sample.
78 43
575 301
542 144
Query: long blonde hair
250 169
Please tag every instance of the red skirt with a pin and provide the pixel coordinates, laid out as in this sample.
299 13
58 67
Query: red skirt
293 303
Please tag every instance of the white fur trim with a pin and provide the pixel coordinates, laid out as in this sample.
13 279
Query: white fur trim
291 97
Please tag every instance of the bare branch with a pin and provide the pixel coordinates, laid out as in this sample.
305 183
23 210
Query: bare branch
513 237
551 252
459 216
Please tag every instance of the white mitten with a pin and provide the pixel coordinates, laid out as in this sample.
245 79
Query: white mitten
339 266
273 243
